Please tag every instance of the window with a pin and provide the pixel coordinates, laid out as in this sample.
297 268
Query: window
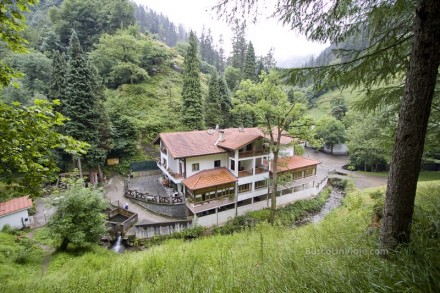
260 184
298 174
249 147
310 172
244 187
195 167
217 163
232 165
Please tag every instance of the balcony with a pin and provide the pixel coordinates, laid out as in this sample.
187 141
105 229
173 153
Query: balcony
253 153
175 177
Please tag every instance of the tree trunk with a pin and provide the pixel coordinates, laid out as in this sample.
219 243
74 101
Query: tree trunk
92 178
64 244
273 194
412 125
100 175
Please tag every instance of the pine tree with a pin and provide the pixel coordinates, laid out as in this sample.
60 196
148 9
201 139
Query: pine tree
238 46
225 102
249 68
57 85
213 104
192 114
82 104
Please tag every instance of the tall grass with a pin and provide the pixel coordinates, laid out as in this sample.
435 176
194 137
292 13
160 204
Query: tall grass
336 255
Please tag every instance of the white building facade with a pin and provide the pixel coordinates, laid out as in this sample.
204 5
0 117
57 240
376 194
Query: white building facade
226 173
14 212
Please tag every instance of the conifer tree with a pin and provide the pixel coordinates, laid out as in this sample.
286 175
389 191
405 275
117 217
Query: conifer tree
82 104
193 117
238 46
213 104
57 85
225 101
249 68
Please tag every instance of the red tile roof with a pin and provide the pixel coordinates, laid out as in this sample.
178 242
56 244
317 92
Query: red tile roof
209 178
294 162
15 205
203 142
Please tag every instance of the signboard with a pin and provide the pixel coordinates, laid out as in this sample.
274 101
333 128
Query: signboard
112 162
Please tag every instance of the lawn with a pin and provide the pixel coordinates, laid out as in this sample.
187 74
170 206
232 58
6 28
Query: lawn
423 176
338 254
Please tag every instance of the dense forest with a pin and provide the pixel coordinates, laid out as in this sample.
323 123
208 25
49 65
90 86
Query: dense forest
125 66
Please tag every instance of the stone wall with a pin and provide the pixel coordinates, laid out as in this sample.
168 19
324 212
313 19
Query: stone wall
179 211
166 228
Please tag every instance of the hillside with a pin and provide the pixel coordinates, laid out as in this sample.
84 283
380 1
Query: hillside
322 104
338 255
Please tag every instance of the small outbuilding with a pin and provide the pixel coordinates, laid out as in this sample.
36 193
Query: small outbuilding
15 213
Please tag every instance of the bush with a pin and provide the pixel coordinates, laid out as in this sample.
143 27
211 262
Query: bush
8 229
378 198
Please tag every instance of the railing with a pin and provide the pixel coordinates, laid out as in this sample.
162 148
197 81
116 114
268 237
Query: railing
253 153
176 198
244 173
260 170
169 172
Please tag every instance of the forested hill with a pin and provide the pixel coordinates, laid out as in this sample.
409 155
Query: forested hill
117 70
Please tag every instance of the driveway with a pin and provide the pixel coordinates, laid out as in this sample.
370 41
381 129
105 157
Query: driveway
334 163
114 192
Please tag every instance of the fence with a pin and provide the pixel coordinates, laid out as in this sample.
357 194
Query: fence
121 220
165 228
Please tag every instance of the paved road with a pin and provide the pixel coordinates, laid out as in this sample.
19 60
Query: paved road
44 211
114 191
332 162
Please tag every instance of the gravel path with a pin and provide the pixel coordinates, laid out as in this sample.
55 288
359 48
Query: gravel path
114 191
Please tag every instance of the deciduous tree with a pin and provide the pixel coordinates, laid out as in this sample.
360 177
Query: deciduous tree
275 116
396 30
79 217
28 140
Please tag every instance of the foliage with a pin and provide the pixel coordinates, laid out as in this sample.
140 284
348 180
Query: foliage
337 253
331 131
79 217
365 139
58 74
192 108
82 104
249 66
273 112
35 68
29 136
118 58
160 26
239 48
232 77
339 107
12 22
90 19
213 103
225 102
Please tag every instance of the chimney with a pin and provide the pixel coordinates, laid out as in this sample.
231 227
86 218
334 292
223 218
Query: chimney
221 136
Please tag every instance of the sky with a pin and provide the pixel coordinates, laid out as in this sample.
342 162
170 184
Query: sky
265 34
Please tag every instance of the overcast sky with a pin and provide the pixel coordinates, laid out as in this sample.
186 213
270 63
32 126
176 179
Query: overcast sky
267 33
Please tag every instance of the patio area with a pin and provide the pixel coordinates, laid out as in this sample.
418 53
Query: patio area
150 188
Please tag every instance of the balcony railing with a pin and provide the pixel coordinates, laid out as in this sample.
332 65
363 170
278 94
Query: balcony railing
174 176
253 153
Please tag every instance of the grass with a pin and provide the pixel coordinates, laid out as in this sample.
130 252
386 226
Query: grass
423 176
336 255
322 106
